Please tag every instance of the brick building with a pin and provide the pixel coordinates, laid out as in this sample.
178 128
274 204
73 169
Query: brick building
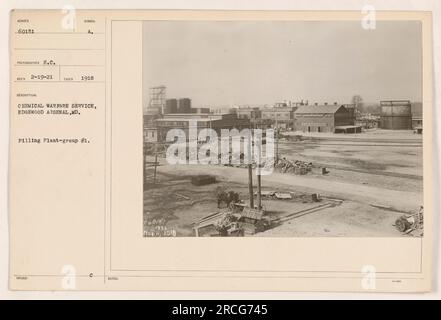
323 118
248 113
203 121
281 116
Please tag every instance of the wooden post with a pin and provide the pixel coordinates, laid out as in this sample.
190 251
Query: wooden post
259 191
250 168
277 134
258 171
156 163
250 185
144 160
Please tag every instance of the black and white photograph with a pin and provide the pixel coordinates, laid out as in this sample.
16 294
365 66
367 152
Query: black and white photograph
282 129
222 152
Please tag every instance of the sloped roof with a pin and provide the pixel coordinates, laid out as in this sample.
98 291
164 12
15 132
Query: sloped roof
318 109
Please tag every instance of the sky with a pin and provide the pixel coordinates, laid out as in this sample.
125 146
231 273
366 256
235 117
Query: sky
223 63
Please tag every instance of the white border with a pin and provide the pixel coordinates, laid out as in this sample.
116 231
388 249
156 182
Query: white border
405 5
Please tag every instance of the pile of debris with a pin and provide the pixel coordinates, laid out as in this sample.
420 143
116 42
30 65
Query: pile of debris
232 224
247 221
277 195
235 218
412 224
297 166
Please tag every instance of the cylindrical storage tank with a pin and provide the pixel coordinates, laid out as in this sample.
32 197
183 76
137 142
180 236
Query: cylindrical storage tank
184 105
171 106
396 115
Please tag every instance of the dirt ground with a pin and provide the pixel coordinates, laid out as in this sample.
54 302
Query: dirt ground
375 177
384 158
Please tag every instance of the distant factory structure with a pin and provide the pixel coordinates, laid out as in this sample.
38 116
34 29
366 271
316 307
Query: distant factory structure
396 115
171 106
182 106
281 115
200 121
325 118
156 100
352 111
163 114
249 112
417 116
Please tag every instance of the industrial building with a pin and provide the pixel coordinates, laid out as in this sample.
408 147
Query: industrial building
352 111
396 115
417 116
324 118
182 106
261 123
231 110
248 113
417 122
282 116
150 134
156 100
149 128
200 110
203 121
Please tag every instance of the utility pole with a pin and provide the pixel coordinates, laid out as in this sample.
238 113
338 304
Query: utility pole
259 189
258 171
250 185
144 158
250 170
156 163
277 135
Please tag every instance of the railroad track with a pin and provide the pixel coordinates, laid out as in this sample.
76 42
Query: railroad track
301 213
373 140
355 144
372 171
